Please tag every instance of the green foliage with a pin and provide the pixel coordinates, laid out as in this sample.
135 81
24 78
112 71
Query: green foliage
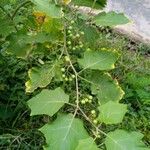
121 140
48 7
48 102
98 4
6 27
87 144
112 112
105 87
110 19
40 77
65 129
98 60
63 59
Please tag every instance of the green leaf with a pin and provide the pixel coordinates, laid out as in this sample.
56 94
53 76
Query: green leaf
87 144
110 19
48 7
99 60
18 46
53 26
64 133
40 37
40 77
89 3
48 102
6 27
112 112
105 87
122 140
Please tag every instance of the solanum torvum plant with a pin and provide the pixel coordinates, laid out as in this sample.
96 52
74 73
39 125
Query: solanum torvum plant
70 72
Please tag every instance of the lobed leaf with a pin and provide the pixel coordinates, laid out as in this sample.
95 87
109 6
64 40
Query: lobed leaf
90 3
122 140
105 87
48 102
64 133
110 19
40 77
87 144
112 112
98 60
48 7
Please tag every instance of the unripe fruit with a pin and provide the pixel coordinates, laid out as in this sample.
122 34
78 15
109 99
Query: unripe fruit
86 100
77 35
69 42
72 22
63 69
93 112
90 101
90 97
70 79
82 33
66 79
73 76
67 59
98 136
95 121
83 102
63 75
70 35
70 27
81 46
69 31
88 49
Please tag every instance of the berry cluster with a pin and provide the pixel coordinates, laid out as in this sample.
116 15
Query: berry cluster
73 37
65 77
88 99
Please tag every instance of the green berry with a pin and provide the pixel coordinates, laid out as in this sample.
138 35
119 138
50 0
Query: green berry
63 75
70 27
73 76
83 102
88 49
81 46
63 69
93 112
77 47
86 100
82 33
98 136
77 35
72 22
70 79
66 79
70 35
67 59
90 97
69 42
69 31
90 101
95 121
